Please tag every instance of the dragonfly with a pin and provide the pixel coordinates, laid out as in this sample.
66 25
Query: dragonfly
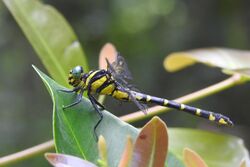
114 81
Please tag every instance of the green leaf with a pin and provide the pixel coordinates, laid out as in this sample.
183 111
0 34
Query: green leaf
73 127
217 150
63 160
173 161
227 59
50 35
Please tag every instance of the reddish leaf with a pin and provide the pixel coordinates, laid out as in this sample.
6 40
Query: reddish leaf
109 52
243 163
127 154
63 160
151 146
192 159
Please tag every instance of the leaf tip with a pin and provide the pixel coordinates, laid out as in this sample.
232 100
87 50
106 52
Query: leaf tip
102 148
109 52
177 61
36 69
193 159
51 157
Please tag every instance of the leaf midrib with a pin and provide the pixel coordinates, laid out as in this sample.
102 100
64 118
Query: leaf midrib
71 130
39 37
151 162
73 134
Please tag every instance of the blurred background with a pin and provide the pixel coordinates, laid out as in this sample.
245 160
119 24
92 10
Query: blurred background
144 31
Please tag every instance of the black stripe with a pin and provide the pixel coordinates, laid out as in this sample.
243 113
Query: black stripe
114 91
97 76
104 85
172 104
189 109
193 110
175 105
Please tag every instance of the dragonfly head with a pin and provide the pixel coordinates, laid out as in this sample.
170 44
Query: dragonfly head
75 75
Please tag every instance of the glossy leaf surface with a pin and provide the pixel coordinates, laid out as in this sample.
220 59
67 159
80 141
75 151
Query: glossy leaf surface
192 159
227 59
63 160
217 150
50 35
127 154
73 127
150 148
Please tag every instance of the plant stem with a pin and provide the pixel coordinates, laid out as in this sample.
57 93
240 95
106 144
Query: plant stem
225 84
228 83
25 154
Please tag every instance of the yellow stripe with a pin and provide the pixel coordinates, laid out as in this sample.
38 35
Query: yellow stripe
108 89
183 106
165 102
120 95
148 98
222 121
198 112
211 117
89 77
138 97
95 85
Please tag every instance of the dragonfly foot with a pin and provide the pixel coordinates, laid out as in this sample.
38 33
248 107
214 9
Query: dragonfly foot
66 90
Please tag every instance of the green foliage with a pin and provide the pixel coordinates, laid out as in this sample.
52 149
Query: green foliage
59 50
218 150
73 127
231 61
50 35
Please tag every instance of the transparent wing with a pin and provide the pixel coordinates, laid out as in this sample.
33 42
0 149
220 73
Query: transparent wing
122 75
141 106
119 69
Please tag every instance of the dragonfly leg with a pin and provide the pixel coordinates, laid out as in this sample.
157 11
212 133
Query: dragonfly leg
93 101
99 104
78 100
70 91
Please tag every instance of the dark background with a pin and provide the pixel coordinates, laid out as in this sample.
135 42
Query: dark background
144 31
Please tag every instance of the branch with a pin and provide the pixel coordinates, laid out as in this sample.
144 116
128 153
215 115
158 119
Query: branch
28 153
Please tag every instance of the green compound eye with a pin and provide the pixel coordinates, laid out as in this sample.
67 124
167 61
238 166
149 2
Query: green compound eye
76 72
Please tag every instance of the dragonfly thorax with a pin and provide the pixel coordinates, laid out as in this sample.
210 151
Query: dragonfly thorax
75 76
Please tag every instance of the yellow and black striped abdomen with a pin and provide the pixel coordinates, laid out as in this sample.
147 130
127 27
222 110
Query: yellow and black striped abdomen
120 95
99 82
216 117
